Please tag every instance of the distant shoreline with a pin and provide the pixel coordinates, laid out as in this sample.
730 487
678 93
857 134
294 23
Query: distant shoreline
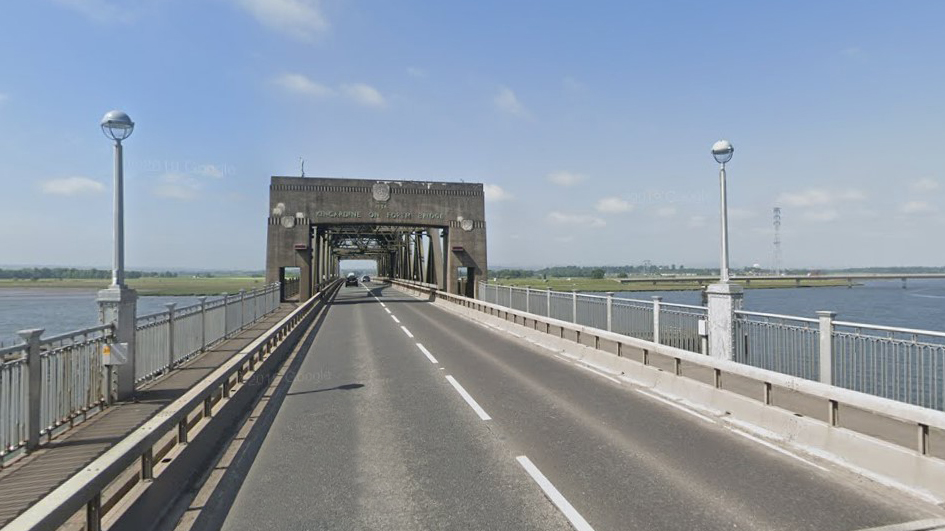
605 285
188 286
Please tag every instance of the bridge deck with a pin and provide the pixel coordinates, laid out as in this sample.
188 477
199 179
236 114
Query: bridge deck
29 479
370 433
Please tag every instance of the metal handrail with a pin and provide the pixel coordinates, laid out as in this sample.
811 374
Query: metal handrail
776 316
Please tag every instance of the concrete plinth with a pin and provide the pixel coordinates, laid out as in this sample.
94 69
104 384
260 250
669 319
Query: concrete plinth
117 305
723 300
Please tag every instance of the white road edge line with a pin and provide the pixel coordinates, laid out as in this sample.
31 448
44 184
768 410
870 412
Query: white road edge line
394 317
404 328
675 405
778 449
578 521
427 353
469 400
599 373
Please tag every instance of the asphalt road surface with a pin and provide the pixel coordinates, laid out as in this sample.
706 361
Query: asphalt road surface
402 415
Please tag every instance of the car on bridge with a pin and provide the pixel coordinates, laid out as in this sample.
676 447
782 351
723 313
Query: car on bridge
365 278
351 280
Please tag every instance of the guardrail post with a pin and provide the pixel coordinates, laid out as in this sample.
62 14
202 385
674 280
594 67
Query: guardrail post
610 311
226 315
34 387
203 323
242 310
826 346
528 295
656 317
170 335
574 306
548 302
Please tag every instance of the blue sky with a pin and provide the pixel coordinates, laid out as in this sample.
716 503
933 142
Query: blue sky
590 124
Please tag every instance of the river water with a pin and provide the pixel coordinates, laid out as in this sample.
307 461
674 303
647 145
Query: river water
921 305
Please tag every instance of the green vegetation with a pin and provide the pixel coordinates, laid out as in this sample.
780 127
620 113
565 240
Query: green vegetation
63 273
591 284
177 285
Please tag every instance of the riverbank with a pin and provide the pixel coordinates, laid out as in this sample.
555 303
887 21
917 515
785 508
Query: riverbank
148 285
604 284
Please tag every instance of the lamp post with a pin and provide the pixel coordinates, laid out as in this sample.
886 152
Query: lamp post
118 126
724 298
723 151
117 303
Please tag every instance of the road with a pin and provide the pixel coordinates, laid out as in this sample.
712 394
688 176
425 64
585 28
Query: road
401 415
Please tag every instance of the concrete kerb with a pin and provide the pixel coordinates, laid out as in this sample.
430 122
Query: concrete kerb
884 462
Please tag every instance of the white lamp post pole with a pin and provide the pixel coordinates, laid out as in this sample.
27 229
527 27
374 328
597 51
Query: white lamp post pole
722 151
724 298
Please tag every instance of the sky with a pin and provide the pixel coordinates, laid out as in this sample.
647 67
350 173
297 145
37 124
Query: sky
589 123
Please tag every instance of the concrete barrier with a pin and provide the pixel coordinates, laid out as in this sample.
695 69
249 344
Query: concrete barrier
910 468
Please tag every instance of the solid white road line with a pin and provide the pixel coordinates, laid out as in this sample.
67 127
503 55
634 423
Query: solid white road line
427 353
778 449
599 373
578 521
675 405
469 400
404 328
394 317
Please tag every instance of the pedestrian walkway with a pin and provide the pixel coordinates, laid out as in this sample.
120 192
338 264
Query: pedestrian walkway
26 481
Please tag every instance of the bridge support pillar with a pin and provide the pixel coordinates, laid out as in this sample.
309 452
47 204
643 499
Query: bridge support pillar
724 298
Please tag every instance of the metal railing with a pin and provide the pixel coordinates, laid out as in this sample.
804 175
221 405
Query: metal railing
675 325
165 339
47 384
897 363
780 343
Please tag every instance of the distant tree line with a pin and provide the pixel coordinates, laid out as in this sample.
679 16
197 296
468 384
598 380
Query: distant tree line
592 271
61 273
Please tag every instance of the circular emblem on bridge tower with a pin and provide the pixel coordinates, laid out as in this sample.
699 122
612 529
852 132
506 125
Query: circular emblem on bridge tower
381 191
288 222
466 224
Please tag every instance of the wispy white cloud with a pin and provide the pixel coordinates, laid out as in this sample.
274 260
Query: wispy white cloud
613 205
300 19
103 11
208 170
417 72
364 94
916 207
820 196
178 186
821 215
740 214
922 185
566 178
666 212
72 186
495 192
572 85
300 84
585 220
697 222
506 101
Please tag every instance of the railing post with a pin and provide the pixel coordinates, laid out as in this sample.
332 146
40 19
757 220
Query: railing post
510 297
656 318
610 311
170 335
548 302
255 306
826 346
528 295
242 310
203 322
226 315
34 386
574 306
